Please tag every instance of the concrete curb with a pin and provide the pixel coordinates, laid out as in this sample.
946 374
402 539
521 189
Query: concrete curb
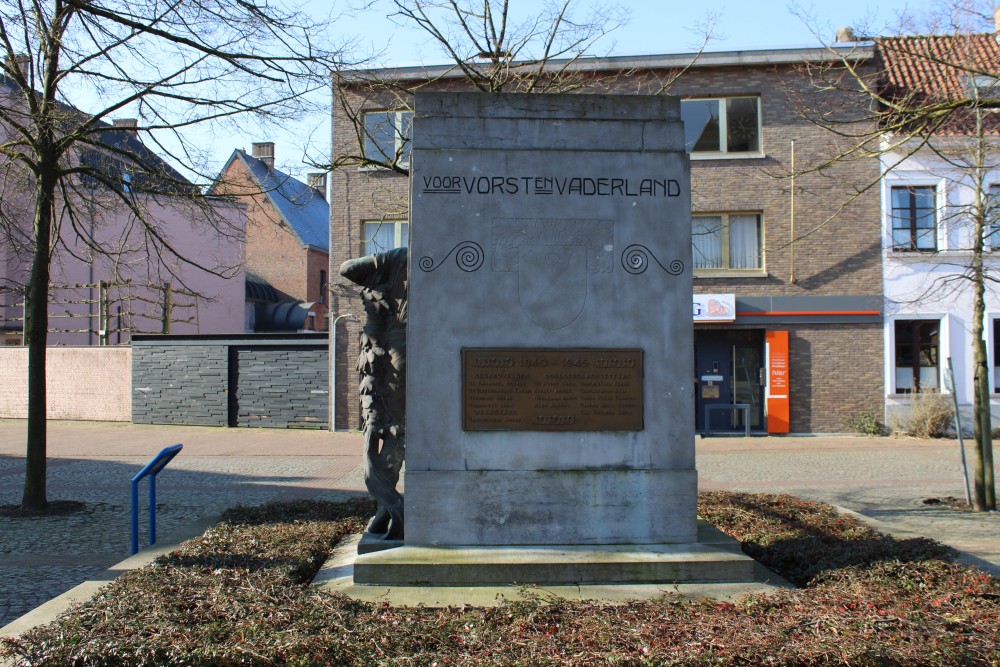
49 611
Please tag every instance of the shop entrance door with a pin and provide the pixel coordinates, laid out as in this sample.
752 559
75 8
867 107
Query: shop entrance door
729 375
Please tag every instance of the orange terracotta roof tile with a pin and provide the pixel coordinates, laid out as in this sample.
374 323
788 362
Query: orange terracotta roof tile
936 66
931 69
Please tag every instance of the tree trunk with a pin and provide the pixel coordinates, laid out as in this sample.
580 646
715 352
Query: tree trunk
981 497
984 498
37 325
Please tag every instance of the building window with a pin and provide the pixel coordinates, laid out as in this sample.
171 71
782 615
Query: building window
916 355
992 227
386 235
721 126
729 242
914 218
322 287
387 136
996 355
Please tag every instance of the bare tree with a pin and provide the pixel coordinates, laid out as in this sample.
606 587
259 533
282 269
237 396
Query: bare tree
932 102
174 65
488 47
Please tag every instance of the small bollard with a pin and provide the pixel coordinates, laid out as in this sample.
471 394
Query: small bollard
151 469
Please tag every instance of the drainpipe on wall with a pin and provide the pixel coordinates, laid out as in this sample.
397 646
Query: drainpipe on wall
791 216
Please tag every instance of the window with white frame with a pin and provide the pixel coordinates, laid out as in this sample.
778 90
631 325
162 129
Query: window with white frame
996 355
385 235
726 125
387 136
916 355
914 218
726 242
992 227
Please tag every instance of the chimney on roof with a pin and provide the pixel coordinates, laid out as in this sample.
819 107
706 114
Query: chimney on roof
264 151
317 181
846 34
127 124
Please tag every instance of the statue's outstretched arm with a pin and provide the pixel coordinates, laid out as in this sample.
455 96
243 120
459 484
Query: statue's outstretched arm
360 269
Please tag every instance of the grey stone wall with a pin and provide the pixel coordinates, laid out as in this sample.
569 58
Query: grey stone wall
180 384
253 380
281 387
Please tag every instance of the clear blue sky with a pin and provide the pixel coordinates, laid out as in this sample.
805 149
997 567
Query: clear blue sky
655 27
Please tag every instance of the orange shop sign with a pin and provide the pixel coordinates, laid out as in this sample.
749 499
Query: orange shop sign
777 405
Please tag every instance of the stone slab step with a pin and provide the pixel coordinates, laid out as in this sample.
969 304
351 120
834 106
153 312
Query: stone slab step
552 565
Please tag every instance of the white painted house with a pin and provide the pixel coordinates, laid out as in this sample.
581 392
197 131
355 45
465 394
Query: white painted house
928 193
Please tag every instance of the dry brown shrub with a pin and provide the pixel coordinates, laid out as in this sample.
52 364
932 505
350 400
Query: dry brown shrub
931 415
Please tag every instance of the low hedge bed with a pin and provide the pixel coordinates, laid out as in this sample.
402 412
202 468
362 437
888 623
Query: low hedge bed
239 595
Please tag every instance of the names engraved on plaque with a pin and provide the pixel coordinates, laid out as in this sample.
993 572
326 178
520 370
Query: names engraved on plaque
521 389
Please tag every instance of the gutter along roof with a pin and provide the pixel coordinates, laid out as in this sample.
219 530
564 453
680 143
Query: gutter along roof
853 52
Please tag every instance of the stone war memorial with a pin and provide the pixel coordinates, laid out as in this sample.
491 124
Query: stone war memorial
549 374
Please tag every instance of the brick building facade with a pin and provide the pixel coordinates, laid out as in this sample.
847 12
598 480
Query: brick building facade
286 230
793 330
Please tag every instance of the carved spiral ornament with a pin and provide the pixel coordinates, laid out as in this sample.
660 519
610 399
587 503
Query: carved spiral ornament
469 258
636 257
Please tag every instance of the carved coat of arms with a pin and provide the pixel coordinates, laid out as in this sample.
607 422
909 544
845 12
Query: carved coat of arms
554 260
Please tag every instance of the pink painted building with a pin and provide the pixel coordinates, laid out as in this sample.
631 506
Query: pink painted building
176 268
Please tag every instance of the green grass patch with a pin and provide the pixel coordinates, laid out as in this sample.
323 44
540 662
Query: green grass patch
239 596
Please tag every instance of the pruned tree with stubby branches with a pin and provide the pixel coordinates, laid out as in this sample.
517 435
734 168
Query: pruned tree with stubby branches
71 67
930 104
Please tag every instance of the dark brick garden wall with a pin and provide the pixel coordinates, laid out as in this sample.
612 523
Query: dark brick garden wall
254 380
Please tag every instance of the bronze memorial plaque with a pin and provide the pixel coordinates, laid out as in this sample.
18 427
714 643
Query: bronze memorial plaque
524 389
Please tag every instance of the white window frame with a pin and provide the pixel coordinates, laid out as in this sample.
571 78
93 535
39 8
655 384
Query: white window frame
940 200
400 140
725 271
890 357
724 130
992 351
400 239
992 241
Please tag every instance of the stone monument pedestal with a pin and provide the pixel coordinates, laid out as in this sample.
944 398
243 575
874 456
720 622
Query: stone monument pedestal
549 426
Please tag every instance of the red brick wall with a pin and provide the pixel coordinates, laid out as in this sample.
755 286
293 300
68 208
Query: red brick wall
317 261
273 251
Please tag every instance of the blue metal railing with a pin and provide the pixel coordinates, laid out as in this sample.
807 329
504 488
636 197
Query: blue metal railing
151 469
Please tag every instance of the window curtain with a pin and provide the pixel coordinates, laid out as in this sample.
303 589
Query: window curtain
706 242
744 242
379 237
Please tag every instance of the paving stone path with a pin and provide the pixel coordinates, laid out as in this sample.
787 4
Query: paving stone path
41 558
